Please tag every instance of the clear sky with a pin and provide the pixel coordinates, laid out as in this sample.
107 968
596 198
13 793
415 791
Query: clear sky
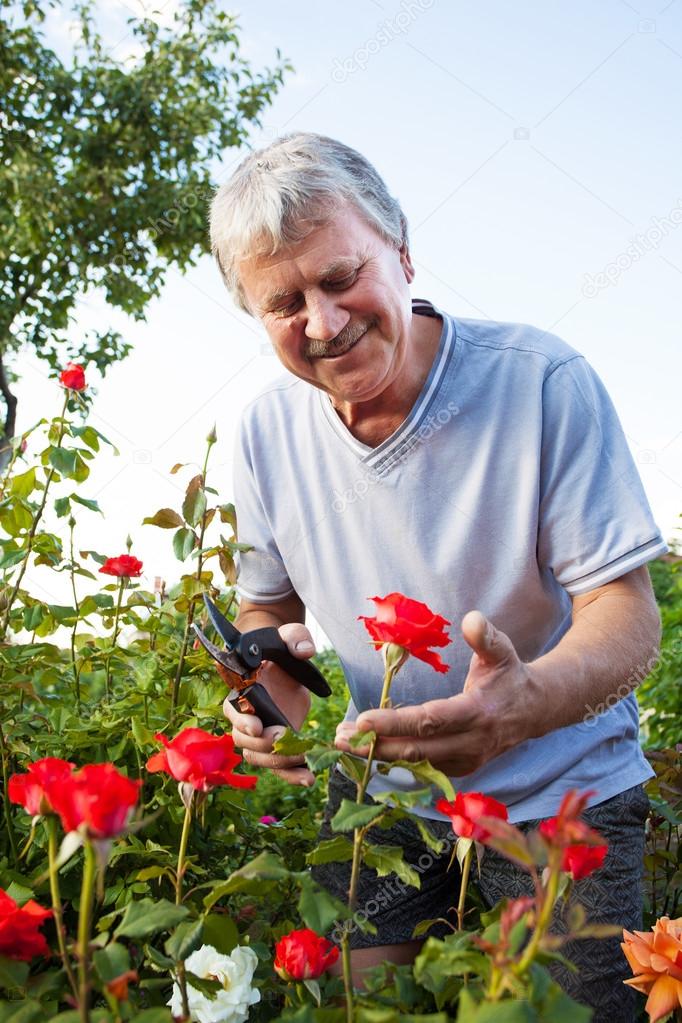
536 150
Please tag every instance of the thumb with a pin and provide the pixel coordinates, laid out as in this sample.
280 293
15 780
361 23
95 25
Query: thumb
488 643
298 639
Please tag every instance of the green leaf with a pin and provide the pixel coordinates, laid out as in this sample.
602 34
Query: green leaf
423 771
206 985
13 974
229 515
146 917
25 1011
194 505
185 939
332 850
221 931
317 908
354 767
184 542
111 961
361 739
142 735
351 815
63 460
265 867
33 616
24 484
164 518
290 744
87 503
321 757
62 506
389 859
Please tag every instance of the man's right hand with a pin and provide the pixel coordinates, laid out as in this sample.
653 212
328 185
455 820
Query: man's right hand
293 700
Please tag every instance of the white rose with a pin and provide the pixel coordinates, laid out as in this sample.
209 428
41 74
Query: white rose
235 973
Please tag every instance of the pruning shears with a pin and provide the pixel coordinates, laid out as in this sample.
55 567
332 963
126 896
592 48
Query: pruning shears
239 663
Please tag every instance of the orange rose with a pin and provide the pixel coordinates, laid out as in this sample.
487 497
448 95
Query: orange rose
656 961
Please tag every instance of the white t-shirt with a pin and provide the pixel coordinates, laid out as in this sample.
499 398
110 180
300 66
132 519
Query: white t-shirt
508 488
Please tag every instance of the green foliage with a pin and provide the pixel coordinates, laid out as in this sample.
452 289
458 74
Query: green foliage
105 173
660 694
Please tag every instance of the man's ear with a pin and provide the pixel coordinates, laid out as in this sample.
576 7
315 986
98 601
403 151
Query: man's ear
406 262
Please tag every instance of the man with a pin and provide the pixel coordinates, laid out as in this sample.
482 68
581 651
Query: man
466 464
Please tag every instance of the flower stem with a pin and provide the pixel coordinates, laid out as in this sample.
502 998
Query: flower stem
74 665
182 852
544 917
358 837
51 823
114 636
463 884
190 610
32 532
84 925
5 797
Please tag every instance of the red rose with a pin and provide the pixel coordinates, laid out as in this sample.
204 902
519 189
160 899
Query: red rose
583 848
124 565
200 759
304 955
19 934
410 625
581 860
73 377
30 790
98 800
465 811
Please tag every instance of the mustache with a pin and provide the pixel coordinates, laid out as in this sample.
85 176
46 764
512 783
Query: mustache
316 349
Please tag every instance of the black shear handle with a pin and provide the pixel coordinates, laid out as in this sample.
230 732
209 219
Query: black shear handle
263 705
273 648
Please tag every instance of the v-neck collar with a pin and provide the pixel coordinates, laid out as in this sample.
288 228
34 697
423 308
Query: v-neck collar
390 450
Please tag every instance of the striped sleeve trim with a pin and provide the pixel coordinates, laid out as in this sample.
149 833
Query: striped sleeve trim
619 566
263 598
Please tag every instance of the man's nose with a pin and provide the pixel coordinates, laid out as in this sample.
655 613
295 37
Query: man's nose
325 318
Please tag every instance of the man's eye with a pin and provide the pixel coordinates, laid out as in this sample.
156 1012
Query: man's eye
343 282
286 310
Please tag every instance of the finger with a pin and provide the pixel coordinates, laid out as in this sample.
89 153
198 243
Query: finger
492 646
273 761
453 714
298 639
248 724
297 776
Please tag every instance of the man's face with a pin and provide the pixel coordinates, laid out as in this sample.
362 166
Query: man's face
336 306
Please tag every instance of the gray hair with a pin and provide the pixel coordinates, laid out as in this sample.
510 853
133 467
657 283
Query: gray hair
279 194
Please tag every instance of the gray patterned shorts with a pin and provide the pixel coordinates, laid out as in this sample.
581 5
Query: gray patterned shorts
613 894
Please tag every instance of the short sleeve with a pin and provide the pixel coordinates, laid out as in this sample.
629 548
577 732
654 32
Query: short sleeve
595 521
261 575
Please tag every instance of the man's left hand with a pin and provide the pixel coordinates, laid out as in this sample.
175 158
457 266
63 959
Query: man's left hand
460 733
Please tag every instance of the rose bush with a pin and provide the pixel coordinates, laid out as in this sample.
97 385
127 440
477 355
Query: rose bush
140 881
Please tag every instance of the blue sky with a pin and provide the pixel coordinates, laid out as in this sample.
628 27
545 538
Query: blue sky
535 148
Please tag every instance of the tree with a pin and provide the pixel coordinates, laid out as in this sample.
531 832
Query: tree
105 167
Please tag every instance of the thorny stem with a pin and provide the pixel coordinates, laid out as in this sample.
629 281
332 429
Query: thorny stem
190 609
463 884
84 926
114 637
32 531
76 669
51 823
544 917
182 852
5 797
358 837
